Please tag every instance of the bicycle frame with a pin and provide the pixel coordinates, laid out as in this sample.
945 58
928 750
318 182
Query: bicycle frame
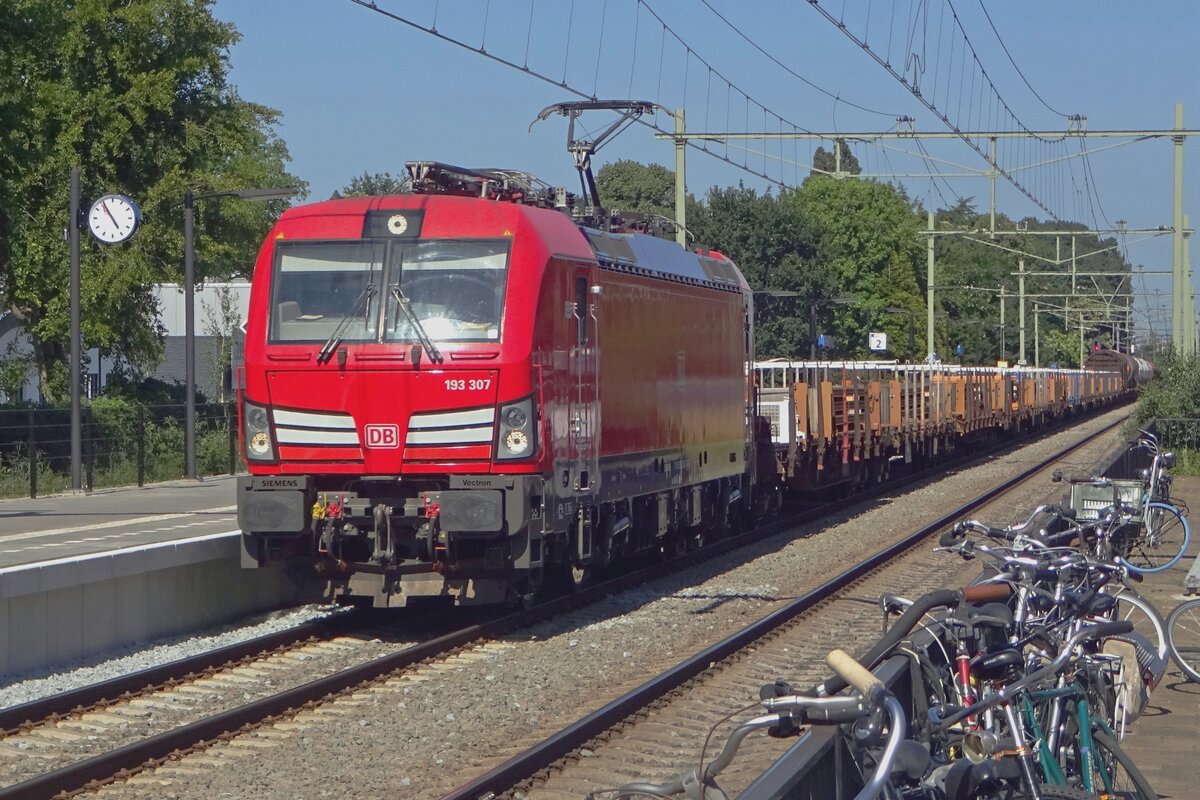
1064 701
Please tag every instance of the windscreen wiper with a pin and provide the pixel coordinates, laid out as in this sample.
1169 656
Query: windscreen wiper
335 338
435 355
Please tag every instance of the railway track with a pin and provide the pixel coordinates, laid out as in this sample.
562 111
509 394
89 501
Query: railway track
662 726
58 738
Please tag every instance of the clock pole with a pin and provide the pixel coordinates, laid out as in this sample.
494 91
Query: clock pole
76 349
189 341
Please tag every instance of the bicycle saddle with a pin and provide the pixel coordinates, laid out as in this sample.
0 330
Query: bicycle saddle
1089 603
997 664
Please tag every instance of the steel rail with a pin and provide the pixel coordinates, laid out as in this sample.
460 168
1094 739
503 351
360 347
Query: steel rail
526 765
153 750
75 701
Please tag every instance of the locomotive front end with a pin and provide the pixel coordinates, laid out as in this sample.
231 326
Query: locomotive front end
390 419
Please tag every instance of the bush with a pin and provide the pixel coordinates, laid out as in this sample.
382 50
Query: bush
1173 394
114 424
212 451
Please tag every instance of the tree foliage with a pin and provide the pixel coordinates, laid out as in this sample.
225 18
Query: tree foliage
135 94
1174 394
845 257
374 185
868 241
638 188
826 161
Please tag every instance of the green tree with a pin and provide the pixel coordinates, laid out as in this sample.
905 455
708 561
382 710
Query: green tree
134 92
14 373
222 323
863 229
1173 394
774 245
899 309
826 161
1059 347
630 186
374 185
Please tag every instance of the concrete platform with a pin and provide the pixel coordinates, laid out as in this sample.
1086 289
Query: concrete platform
61 526
83 574
1163 742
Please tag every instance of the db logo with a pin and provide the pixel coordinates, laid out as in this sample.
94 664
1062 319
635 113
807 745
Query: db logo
383 437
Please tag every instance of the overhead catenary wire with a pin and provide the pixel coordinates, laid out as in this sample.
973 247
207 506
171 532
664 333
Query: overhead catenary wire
740 106
565 85
836 96
1013 61
973 101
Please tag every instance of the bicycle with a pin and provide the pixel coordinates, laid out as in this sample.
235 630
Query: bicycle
1094 574
1077 745
1148 537
1078 752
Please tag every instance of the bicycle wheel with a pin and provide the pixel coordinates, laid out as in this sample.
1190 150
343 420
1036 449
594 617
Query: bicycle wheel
1146 619
1163 539
1183 637
1108 768
1114 771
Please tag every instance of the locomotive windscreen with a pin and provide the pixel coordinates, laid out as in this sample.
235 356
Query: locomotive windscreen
323 289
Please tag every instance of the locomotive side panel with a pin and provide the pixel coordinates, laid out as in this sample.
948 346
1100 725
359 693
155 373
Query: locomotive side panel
672 366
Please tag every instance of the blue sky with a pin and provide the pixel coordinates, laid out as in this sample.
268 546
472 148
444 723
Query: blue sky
360 92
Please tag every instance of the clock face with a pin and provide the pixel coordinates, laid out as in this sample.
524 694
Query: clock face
113 218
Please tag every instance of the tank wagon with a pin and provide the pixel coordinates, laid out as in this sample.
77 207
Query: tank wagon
462 392
1134 371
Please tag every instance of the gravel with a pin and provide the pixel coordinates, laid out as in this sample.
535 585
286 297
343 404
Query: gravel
421 734
22 688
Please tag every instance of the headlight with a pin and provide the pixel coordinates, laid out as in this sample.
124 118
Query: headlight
1168 460
518 431
259 444
256 418
516 442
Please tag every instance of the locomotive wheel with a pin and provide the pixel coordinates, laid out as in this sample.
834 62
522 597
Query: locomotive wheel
579 577
527 591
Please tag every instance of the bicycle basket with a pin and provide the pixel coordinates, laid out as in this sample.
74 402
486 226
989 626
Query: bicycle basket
1088 501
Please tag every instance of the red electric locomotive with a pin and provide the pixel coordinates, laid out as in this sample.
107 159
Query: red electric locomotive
460 392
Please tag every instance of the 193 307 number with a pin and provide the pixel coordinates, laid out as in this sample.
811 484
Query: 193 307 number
468 385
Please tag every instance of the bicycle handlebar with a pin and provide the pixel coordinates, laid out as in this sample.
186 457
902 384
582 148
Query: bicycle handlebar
1087 480
819 709
1010 533
854 673
903 626
987 593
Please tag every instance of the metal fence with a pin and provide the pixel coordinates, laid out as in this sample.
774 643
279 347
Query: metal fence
123 444
1182 436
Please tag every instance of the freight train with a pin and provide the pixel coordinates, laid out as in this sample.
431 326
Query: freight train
465 393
